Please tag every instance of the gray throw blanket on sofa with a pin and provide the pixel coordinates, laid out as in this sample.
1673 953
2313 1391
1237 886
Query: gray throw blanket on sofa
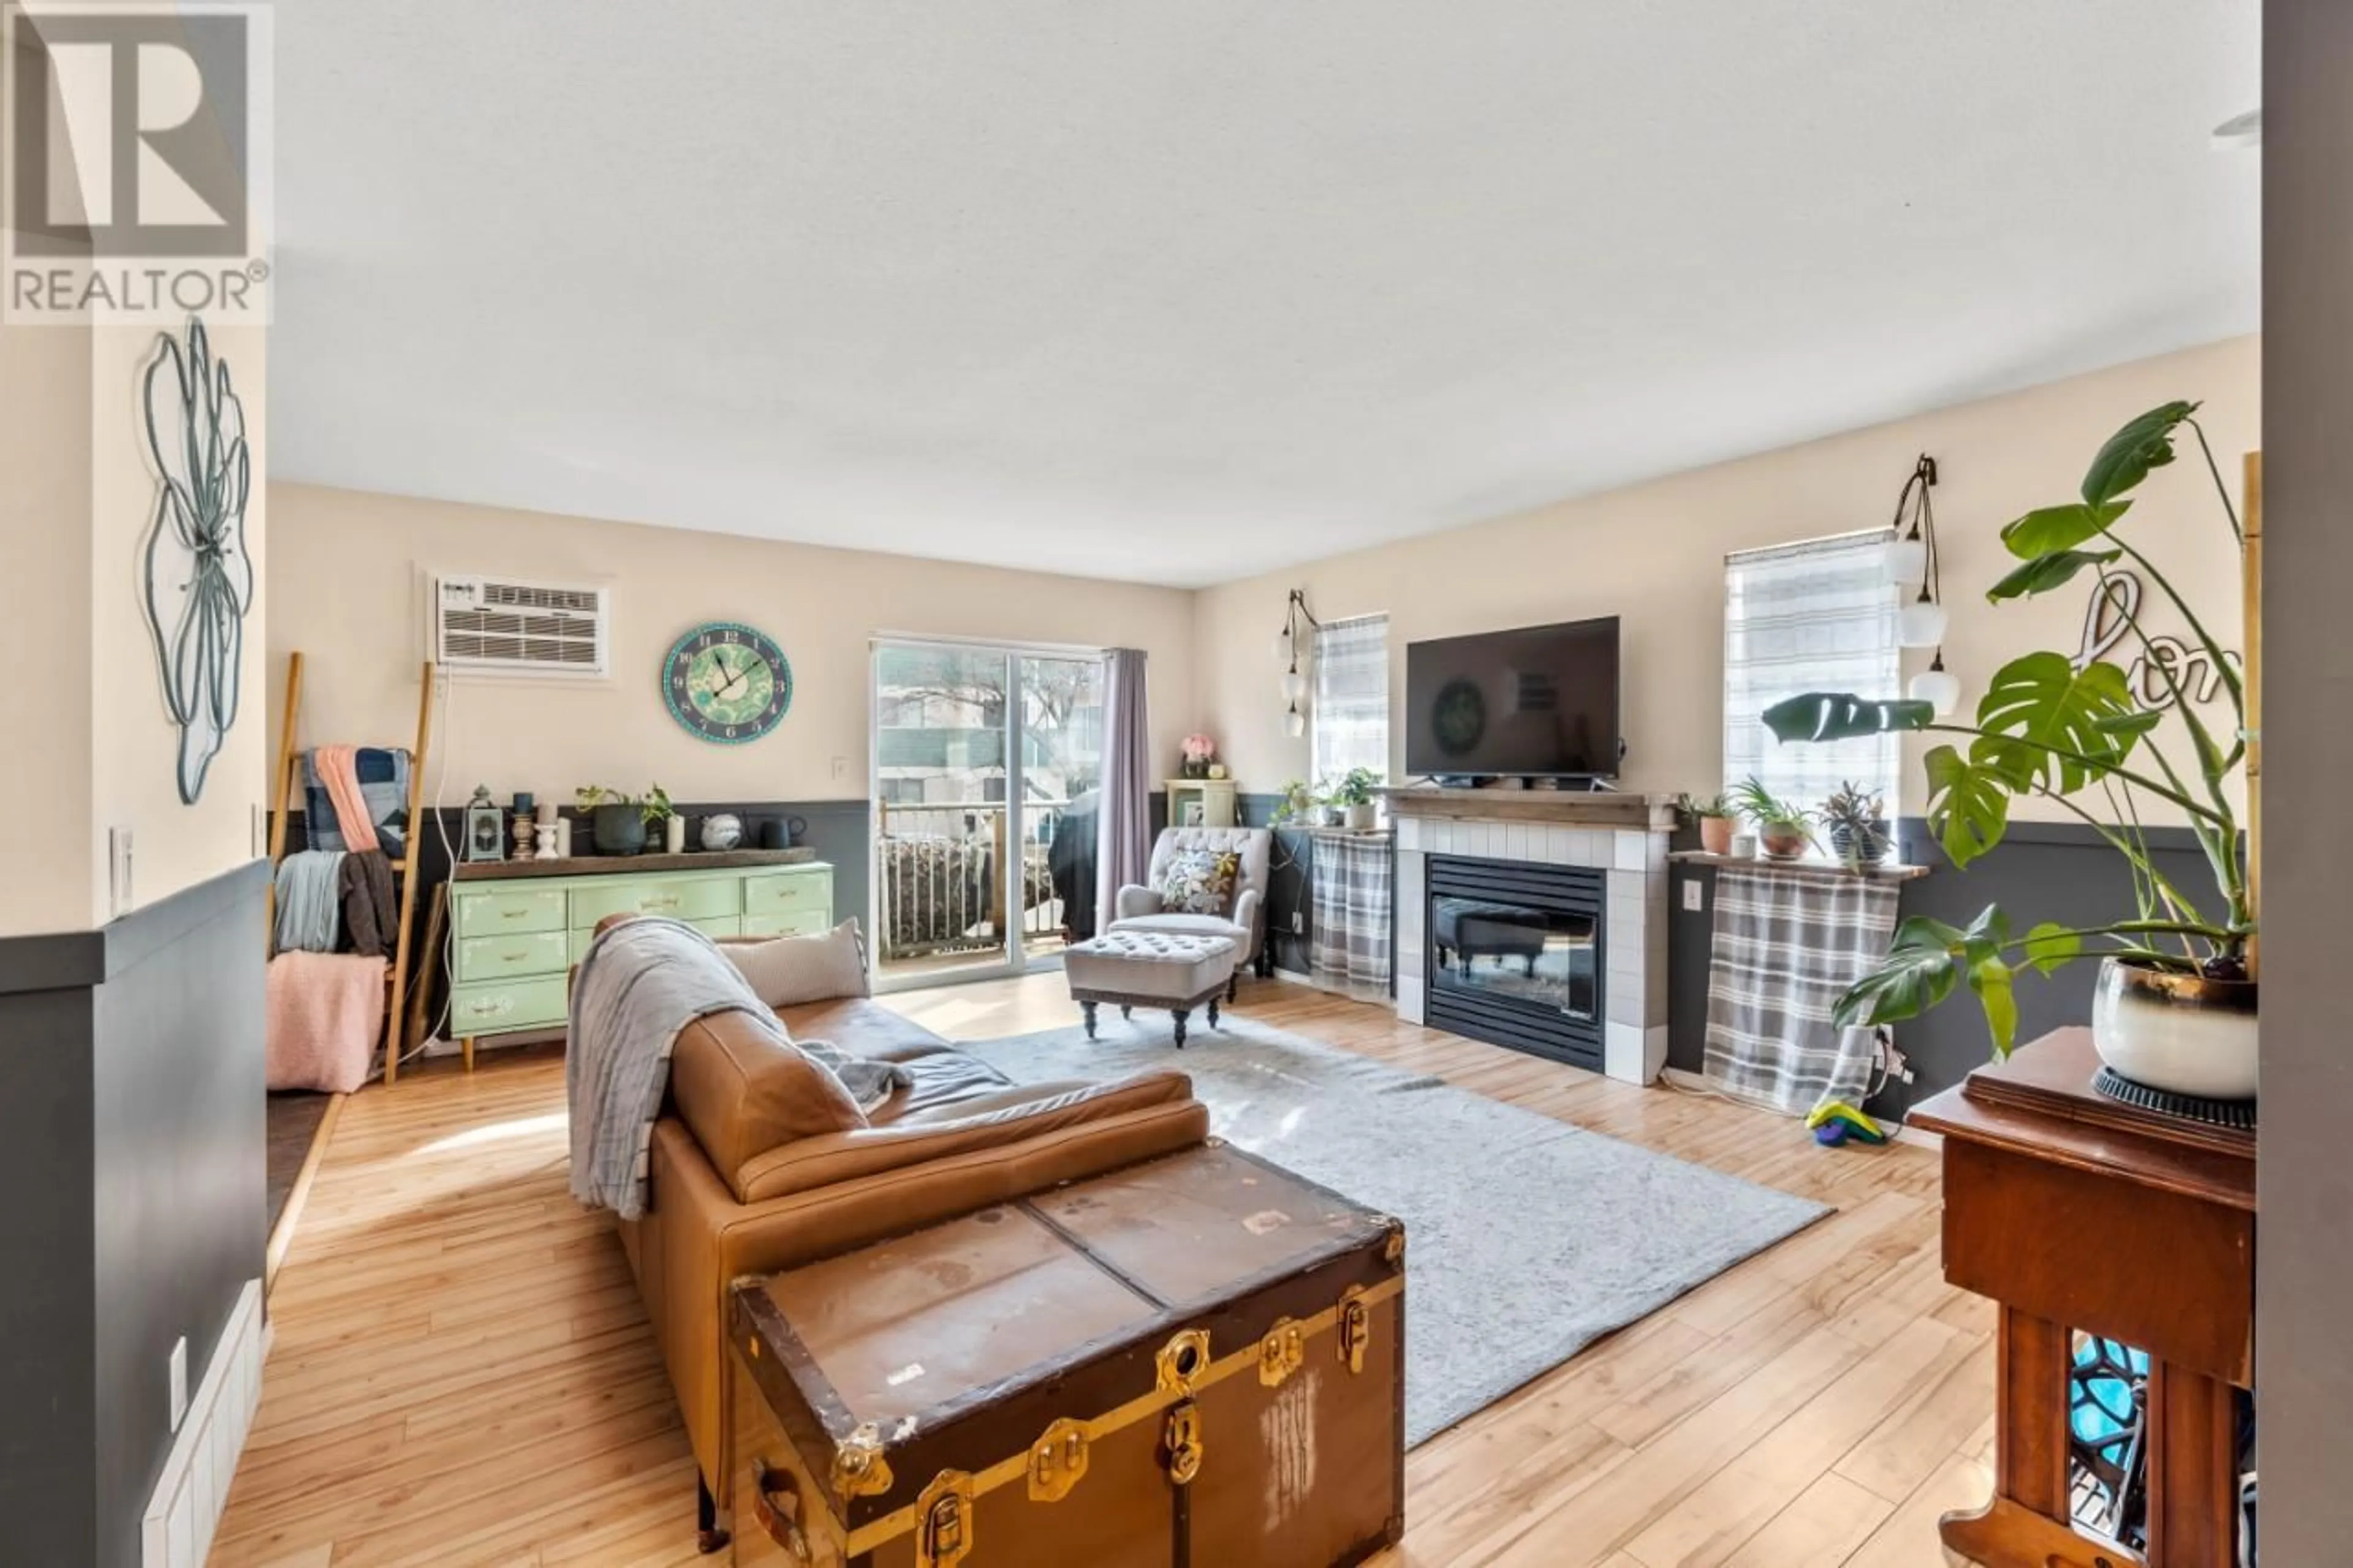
639 984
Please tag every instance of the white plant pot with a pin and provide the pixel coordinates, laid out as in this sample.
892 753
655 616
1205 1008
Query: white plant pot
2177 1032
1362 818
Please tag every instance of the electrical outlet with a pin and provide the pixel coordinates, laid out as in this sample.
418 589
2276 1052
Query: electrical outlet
1298 923
1694 893
118 872
841 767
179 1382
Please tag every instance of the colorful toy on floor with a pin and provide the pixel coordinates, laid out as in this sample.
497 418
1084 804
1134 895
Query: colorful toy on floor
1834 1121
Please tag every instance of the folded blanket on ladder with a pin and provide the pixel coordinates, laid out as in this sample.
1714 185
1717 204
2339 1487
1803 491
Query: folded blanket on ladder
309 911
324 1011
380 777
1786 949
639 984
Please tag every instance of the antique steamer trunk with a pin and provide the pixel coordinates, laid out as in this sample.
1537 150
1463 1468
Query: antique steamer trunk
1197 1361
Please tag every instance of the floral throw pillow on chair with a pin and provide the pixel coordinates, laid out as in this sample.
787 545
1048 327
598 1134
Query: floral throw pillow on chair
1199 882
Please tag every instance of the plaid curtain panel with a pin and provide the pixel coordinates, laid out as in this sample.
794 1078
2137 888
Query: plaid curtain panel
1348 945
1786 947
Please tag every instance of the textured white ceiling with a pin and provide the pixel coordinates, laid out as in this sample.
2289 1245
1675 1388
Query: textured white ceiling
1183 289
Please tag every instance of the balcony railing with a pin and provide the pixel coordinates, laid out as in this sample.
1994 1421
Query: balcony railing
940 876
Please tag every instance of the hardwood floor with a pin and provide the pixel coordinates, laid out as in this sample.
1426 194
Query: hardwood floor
461 1372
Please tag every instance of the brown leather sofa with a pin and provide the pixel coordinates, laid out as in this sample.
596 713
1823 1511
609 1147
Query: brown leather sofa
760 1162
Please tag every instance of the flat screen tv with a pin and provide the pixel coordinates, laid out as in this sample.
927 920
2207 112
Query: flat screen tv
1535 702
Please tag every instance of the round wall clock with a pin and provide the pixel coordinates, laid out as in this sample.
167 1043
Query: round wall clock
726 682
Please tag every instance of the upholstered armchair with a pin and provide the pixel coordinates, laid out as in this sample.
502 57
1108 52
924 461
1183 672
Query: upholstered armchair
1140 908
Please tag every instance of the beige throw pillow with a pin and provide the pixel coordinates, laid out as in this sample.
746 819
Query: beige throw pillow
790 970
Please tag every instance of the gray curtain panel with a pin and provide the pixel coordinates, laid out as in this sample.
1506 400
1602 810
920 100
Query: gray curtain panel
1786 947
1355 884
1123 852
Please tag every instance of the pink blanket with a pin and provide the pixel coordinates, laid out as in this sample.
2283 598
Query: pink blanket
325 1011
338 769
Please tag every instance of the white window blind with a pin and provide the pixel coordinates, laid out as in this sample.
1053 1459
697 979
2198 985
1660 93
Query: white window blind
1814 616
1349 719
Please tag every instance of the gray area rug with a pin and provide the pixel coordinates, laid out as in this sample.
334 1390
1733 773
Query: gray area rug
1526 1238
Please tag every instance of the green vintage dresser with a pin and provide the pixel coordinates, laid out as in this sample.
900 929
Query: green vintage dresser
514 932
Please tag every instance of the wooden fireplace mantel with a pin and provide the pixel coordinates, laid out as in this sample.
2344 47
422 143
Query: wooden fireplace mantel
1569 808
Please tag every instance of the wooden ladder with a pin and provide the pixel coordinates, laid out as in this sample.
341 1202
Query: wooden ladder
289 759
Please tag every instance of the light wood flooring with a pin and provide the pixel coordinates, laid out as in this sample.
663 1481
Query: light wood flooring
461 1372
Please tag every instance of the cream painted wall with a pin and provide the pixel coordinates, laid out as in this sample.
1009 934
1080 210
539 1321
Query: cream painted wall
134 745
45 764
349 571
1653 555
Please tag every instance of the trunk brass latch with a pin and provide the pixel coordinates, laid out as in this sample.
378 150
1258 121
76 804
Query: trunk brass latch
1281 1353
943 1520
1057 1461
859 1468
1355 1328
1181 1441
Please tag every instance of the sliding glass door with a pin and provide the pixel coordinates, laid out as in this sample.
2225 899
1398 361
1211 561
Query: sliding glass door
987 763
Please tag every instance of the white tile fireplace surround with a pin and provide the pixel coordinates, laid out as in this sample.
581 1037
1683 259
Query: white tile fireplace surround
1623 836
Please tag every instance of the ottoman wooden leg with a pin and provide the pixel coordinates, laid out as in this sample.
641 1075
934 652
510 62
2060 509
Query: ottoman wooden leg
1089 1009
1213 1012
1180 1015
1127 1013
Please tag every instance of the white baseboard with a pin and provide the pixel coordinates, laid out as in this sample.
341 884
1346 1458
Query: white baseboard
181 1517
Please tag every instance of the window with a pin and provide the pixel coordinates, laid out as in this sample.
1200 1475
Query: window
1350 715
1814 616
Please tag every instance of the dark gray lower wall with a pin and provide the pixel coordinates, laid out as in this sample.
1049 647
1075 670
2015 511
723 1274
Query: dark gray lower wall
2058 871
1287 900
131 1130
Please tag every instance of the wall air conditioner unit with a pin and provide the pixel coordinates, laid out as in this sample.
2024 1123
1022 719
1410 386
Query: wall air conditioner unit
497 625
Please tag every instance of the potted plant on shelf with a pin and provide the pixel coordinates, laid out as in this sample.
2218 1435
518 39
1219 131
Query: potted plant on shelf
1857 826
1296 806
2174 1006
1783 831
1356 794
658 812
1716 818
616 822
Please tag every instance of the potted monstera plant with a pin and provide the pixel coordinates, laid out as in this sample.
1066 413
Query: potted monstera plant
2174 1007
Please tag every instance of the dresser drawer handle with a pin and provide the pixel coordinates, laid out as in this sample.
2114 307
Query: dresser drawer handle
512 914
515 957
489 1008
669 903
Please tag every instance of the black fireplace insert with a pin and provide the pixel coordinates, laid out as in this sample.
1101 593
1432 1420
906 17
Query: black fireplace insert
1516 956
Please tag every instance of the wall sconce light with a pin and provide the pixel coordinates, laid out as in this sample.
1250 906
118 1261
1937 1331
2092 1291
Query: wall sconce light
1912 558
1298 622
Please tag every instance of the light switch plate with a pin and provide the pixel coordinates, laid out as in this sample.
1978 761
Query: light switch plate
1694 893
118 872
179 1382
261 830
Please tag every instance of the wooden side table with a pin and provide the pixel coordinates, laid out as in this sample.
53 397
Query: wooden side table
2077 1212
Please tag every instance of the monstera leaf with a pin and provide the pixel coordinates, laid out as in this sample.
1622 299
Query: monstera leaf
199 576
2144 444
2045 572
1924 962
1843 716
1968 804
2042 700
2048 529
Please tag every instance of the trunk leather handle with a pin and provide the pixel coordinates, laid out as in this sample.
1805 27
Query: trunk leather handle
776 1507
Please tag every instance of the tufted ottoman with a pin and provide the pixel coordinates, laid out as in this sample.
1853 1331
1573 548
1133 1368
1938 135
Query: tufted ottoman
1131 969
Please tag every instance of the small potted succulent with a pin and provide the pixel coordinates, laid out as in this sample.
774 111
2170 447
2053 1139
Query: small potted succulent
1716 818
1356 794
1200 752
1783 831
1858 825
